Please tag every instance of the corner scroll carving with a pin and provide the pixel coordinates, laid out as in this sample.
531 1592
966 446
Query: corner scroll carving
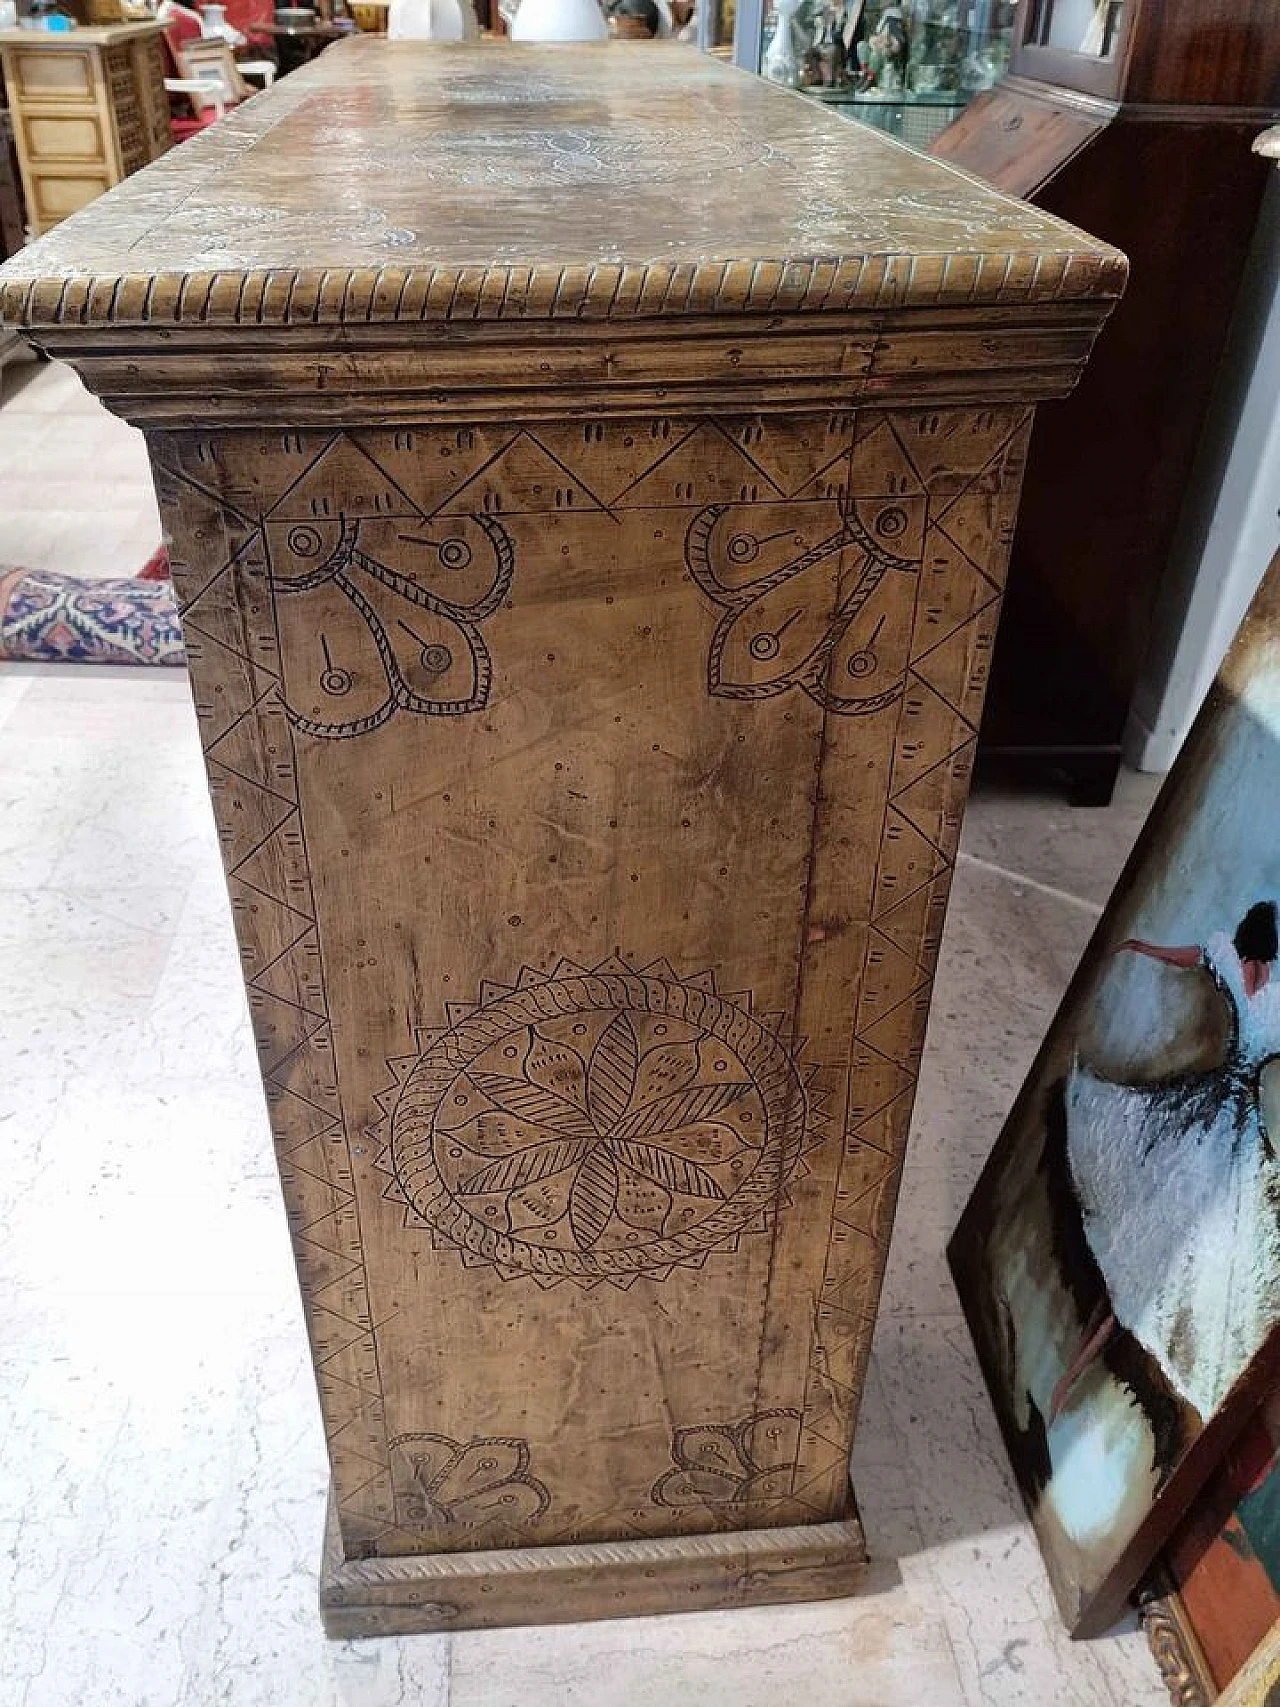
813 597
395 599
482 1487
732 1464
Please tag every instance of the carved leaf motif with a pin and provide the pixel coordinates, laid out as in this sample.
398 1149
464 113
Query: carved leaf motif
526 1166
506 1508
681 1108
709 1446
694 1487
497 1133
611 1075
670 1171
558 1068
535 1209
665 1068
732 548
770 1440
642 1203
430 1455
705 1142
533 1102
335 675
765 647
461 565
594 1194
481 1465
482 1485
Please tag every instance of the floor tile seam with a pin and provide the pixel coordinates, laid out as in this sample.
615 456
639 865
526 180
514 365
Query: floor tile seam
1024 880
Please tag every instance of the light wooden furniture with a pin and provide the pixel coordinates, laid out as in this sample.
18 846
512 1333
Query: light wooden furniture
590 549
89 107
370 15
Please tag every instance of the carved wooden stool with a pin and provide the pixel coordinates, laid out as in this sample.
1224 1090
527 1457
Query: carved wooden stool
590 516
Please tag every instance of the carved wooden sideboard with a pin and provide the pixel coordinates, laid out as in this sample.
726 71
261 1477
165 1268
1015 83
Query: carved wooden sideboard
590 529
89 107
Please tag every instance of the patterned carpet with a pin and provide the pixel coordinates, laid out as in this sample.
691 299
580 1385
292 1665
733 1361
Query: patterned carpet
51 618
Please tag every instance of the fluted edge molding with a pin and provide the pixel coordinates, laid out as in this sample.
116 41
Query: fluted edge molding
604 291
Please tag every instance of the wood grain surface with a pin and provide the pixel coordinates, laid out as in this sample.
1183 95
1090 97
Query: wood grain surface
565 182
589 795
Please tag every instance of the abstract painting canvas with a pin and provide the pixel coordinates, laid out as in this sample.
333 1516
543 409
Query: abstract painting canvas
1119 1261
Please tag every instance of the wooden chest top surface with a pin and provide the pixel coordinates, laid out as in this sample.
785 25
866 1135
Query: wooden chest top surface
412 181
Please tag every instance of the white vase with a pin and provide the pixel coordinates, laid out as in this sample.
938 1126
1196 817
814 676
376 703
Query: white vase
213 23
431 20
559 20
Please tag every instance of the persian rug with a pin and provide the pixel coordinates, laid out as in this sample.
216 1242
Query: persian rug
50 618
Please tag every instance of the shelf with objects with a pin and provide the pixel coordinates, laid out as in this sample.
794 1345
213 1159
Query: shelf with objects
908 68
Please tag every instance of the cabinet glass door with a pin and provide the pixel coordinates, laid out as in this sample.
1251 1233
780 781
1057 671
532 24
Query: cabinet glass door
907 66
1076 43
1090 27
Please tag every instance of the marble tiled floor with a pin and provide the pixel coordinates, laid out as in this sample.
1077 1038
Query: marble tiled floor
162 1471
75 491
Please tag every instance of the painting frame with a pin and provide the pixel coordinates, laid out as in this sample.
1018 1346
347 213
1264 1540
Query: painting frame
1258 1684
1019 1199
1214 1600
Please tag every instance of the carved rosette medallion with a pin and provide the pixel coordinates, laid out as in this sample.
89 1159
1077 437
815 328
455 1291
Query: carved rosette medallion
597 1125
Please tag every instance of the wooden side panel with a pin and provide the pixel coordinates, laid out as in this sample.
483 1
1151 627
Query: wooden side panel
588 794
151 95
1016 139
1110 464
1206 52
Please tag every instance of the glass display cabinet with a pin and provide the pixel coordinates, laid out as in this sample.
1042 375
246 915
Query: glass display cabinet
908 68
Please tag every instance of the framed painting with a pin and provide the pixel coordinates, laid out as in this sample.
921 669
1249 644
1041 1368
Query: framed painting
1119 1260
1225 1557
1217 1591
1258 1685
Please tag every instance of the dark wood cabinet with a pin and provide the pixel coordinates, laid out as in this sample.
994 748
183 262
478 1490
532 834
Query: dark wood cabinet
12 213
1144 140
12 218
